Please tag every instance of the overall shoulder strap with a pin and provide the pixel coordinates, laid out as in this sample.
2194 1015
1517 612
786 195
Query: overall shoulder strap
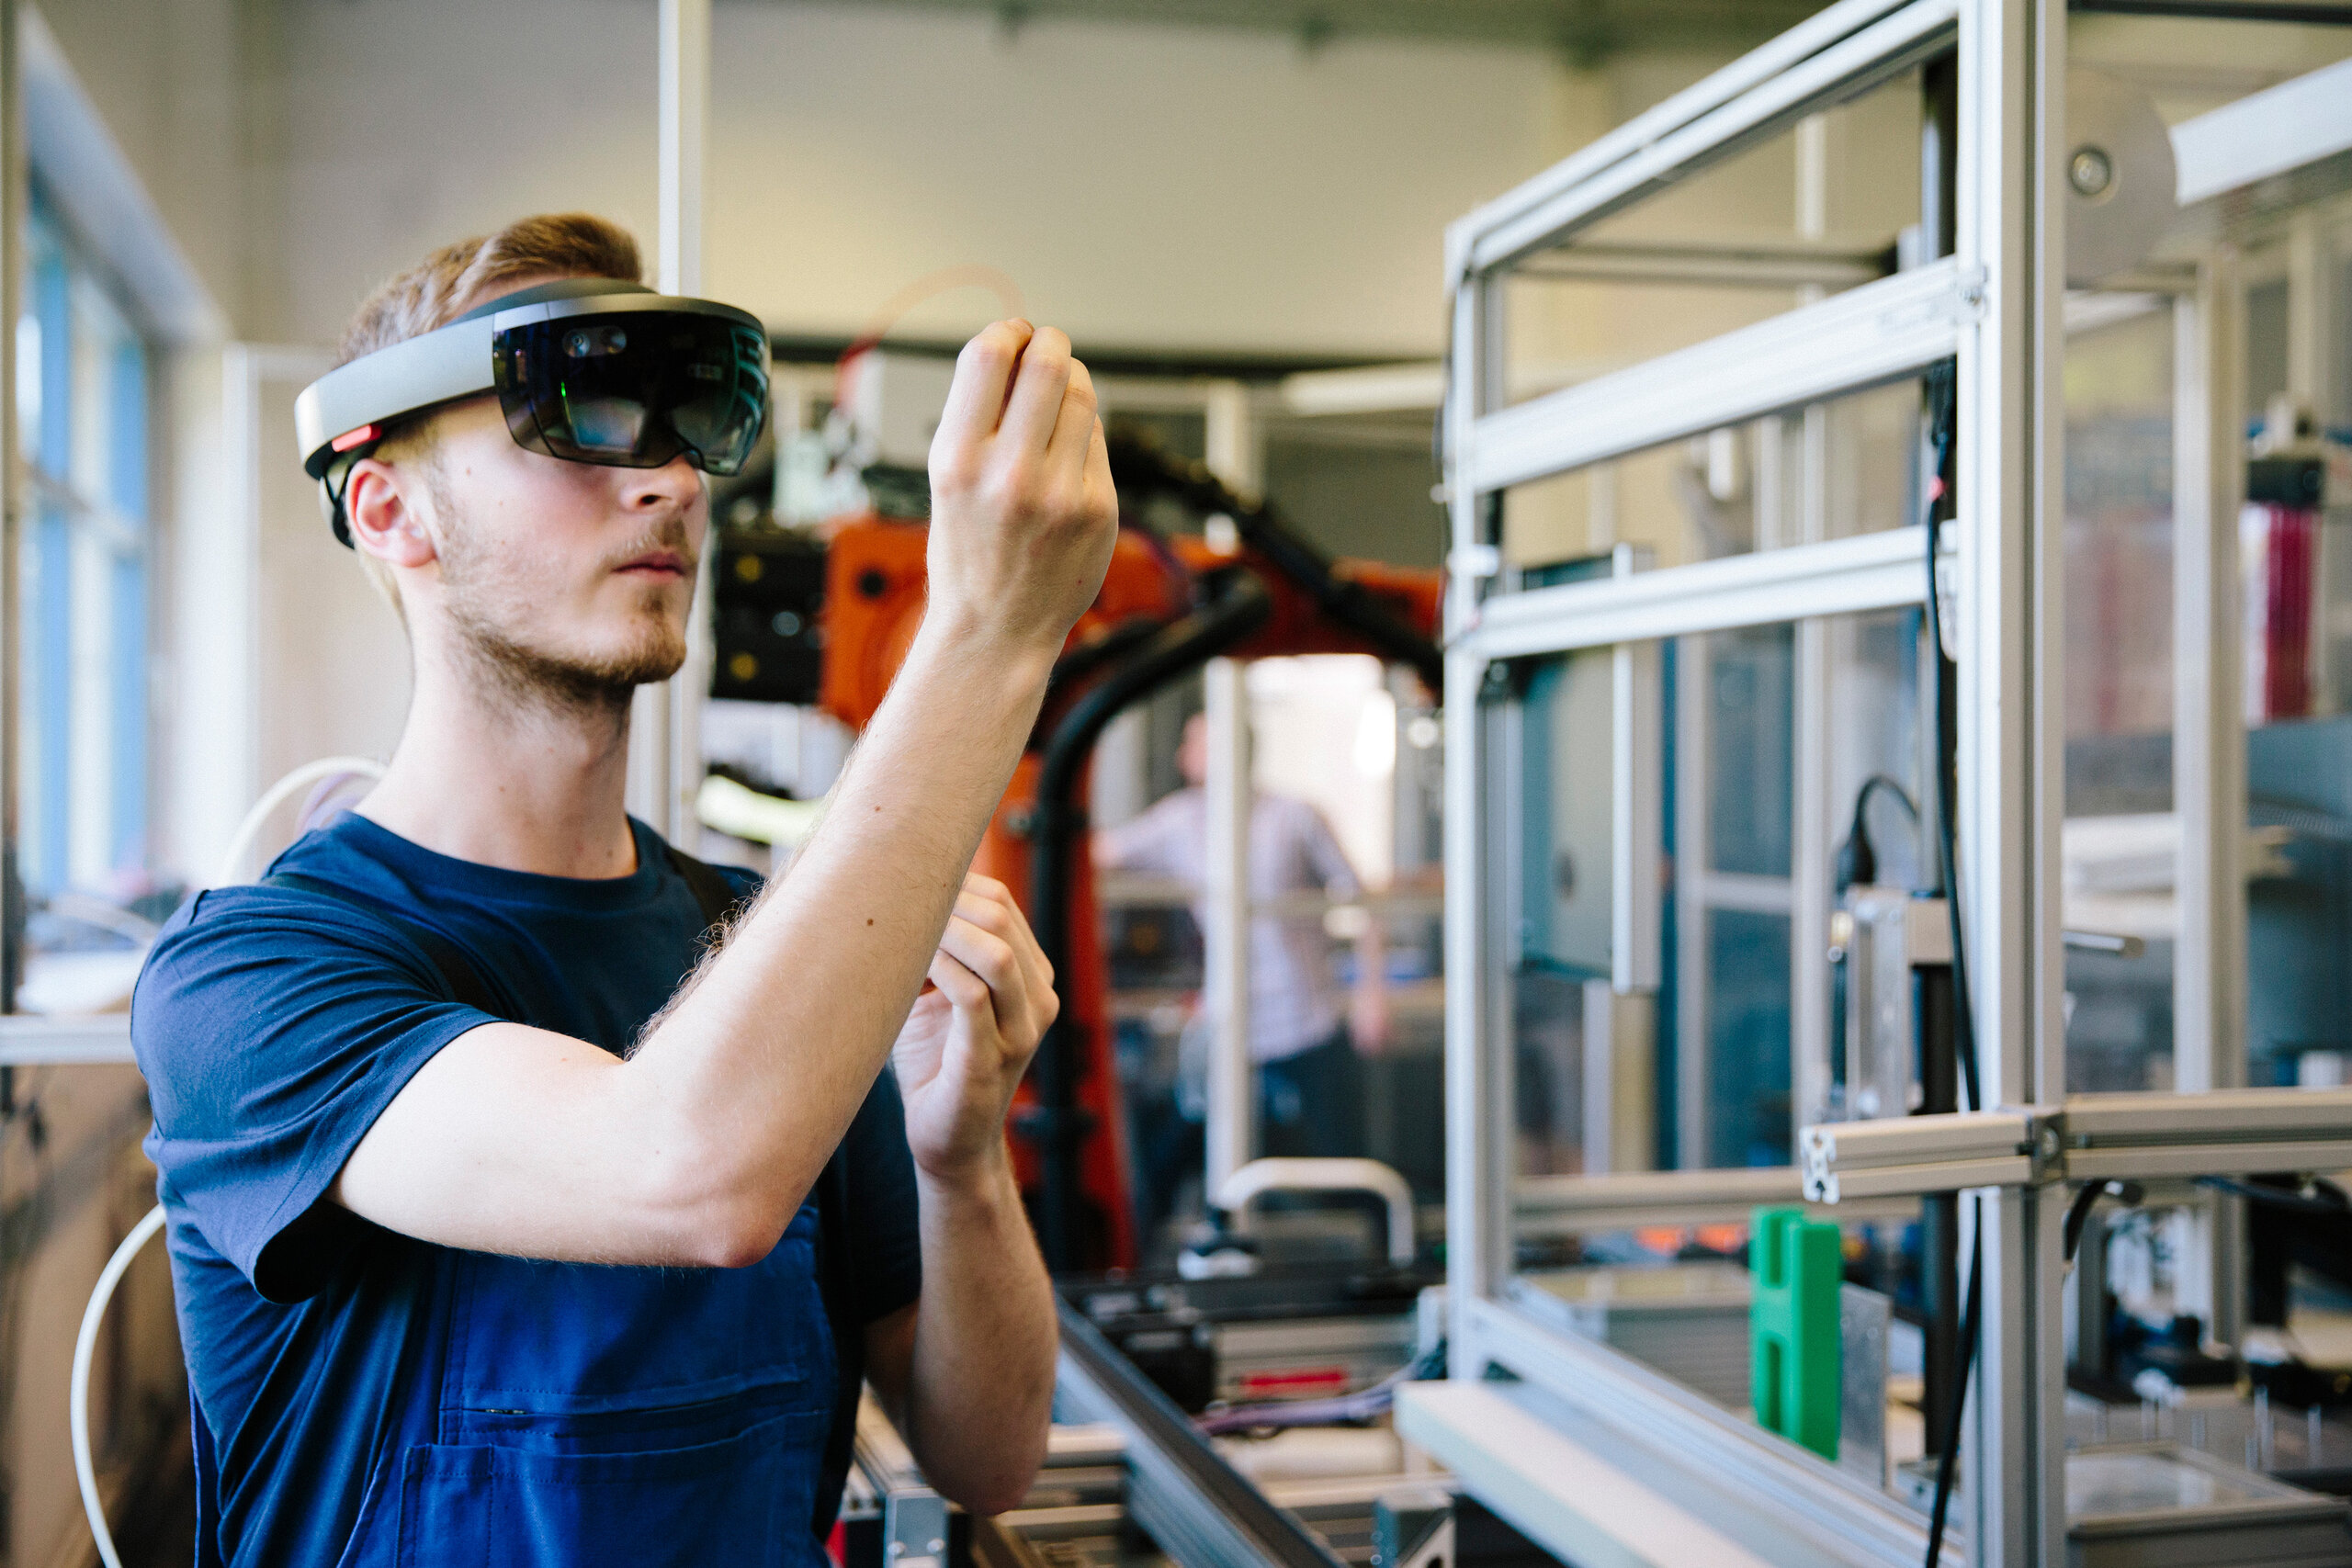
712 891
457 971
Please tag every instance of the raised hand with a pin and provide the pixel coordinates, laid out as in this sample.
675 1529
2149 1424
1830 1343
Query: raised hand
968 1041
1022 512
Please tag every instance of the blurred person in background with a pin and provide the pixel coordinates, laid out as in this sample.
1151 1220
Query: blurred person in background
1306 1040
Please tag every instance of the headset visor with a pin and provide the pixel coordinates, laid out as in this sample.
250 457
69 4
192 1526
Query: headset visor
635 389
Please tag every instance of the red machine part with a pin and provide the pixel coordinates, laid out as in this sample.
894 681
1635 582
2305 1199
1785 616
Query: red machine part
874 600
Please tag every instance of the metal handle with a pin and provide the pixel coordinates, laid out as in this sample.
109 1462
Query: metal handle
1234 1194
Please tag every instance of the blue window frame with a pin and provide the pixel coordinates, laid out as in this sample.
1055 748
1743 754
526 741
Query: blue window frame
82 399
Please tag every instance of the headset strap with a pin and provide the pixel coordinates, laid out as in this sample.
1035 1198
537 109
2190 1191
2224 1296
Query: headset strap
719 900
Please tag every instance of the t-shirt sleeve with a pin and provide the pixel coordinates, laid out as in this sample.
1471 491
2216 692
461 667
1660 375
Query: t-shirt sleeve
1149 844
887 1261
273 1026
1324 855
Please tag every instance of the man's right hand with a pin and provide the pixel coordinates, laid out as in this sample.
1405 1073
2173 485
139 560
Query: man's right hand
1022 512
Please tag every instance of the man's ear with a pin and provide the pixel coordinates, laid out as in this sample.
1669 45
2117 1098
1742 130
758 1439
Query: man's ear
379 505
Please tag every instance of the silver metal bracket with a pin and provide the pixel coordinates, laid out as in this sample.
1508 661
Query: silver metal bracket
1475 560
2090 1137
1941 1153
914 1517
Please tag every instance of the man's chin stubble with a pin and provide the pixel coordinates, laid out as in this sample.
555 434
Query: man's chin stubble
530 679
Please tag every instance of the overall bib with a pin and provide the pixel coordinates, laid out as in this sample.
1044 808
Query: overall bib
621 1417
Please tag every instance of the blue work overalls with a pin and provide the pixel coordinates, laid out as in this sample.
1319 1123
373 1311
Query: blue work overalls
628 1416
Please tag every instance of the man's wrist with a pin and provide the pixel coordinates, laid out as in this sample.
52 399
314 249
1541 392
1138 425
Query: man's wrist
1014 660
984 1179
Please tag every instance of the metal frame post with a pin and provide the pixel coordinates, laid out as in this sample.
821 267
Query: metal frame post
665 732
1478 1137
1231 1113
1232 1101
1813 831
13 195
1691 742
2209 736
2011 83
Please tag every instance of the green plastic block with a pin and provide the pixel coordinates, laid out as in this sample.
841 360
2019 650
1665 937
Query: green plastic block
1793 1327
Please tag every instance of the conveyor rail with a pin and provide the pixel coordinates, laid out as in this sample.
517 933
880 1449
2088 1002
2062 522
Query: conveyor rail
1200 1510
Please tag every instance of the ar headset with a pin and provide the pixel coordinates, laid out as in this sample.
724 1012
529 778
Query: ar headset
587 369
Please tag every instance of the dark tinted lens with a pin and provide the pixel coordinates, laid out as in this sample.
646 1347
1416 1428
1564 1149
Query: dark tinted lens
635 390
723 398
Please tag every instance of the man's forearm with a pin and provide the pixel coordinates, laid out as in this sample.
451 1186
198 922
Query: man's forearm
762 1064
980 1389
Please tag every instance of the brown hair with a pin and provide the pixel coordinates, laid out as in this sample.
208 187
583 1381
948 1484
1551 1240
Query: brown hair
454 279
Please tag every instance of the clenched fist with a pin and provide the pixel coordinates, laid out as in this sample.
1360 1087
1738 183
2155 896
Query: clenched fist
1022 514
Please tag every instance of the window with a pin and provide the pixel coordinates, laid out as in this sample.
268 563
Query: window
82 839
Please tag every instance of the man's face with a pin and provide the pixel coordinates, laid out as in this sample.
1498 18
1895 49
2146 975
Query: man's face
562 579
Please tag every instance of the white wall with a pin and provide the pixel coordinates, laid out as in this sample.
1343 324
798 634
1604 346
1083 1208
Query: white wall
188 90
1151 186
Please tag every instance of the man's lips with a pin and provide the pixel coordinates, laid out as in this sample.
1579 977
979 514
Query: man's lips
655 563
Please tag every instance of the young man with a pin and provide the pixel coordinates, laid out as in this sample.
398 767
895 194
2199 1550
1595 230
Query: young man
502 1230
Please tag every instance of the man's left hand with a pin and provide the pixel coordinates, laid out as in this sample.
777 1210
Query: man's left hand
968 1041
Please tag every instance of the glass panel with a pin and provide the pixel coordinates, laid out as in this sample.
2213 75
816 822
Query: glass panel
1810 211
1699 1068
1829 472
1724 840
2119 839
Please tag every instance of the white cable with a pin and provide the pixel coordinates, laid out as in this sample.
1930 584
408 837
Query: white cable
85 1347
241 842
86 1344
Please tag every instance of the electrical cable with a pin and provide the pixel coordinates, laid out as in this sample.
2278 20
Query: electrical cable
85 1346
1856 860
1947 1463
2078 1212
1349 1409
2329 1203
241 842
1941 397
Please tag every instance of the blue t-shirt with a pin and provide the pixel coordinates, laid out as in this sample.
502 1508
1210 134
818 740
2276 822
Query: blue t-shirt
362 1396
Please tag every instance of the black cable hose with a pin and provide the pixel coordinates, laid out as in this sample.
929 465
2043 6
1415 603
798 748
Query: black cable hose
1857 862
1948 1462
1237 607
2331 1205
2078 1212
1139 466
1072 669
1942 397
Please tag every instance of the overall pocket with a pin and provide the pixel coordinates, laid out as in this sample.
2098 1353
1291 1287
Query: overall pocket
747 1500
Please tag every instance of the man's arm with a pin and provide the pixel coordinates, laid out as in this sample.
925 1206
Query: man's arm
1368 1019
1150 843
968 1372
701 1144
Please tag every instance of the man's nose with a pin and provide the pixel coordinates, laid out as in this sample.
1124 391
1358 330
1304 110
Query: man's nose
676 484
